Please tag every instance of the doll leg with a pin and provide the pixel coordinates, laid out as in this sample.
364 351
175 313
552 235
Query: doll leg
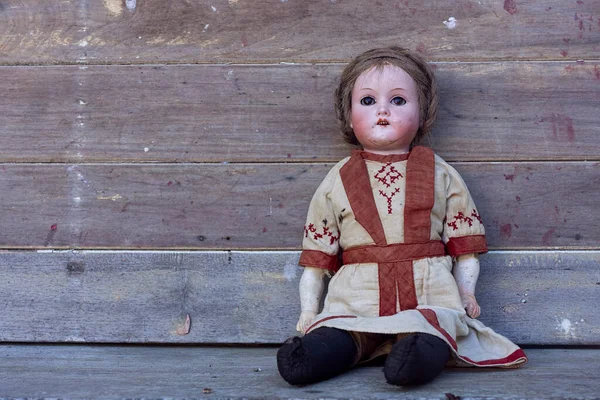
317 356
416 359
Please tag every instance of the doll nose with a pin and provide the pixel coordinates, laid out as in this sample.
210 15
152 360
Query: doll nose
383 110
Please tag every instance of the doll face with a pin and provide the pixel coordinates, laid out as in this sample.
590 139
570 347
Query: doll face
385 110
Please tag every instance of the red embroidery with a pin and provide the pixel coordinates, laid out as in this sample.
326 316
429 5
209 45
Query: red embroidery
388 175
389 198
477 216
391 176
460 217
317 235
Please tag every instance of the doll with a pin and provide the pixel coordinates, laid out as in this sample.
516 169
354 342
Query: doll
397 228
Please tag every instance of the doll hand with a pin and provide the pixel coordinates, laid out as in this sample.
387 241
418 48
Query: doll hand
306 319
470 304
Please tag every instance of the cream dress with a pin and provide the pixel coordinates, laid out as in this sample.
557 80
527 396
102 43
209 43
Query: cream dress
396 222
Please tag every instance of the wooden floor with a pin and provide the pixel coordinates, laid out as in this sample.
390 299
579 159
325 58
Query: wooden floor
107 371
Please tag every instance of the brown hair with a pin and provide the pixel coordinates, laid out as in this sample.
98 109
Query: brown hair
411 63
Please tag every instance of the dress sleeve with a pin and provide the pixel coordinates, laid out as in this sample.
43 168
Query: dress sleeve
320 244
464 232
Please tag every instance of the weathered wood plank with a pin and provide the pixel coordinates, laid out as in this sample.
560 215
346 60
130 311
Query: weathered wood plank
200 113
115 31
243 206
252 297
200 372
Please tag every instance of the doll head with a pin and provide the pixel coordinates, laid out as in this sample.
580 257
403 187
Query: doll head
377 59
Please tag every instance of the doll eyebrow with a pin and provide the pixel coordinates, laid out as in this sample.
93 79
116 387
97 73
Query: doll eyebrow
398 88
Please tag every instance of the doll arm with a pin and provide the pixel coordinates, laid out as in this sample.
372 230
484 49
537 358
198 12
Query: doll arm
466 272
311 290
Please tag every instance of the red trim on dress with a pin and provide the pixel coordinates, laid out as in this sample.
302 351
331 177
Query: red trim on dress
458 246
327 319
432 318
516 355
394 252
420 195
355 178
318 259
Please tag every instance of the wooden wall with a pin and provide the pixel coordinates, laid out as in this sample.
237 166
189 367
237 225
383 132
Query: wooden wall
157 158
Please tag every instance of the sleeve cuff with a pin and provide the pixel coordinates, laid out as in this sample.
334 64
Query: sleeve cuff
318 259
457 246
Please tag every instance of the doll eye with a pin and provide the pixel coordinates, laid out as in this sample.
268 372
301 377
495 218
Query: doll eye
398 101
367 101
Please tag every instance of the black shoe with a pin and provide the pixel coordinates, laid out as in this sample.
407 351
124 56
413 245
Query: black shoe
319 355
416 359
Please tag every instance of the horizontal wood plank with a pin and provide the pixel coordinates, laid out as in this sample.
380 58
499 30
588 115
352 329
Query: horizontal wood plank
150 31
239 373
257 206
252 297
200 113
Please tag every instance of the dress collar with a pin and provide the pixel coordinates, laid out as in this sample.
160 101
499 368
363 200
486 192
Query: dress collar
388 158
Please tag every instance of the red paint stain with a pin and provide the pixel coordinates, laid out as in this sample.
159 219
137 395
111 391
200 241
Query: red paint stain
280 205
597 72
506 231
244 41
566 40
54 227
547 236
562 127
509 177
510 6
264 230
556 210
569 69
421 48
564 53
169 183
289 155
518 198
580 2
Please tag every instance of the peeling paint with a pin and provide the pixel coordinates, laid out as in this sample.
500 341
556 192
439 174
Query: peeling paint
451 23
114 7
184 329
130 4
565 326
113 198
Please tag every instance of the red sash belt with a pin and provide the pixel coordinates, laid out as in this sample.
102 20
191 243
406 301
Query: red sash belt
396 277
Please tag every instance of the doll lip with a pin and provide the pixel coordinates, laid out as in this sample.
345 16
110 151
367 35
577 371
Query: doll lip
382 121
